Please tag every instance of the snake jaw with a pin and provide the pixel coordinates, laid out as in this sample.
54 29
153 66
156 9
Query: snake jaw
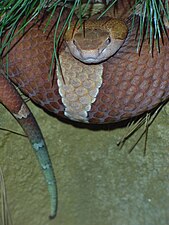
98 41
96 55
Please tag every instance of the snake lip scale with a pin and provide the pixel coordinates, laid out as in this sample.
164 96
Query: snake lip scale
105 81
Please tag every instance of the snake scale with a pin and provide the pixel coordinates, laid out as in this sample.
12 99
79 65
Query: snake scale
125 85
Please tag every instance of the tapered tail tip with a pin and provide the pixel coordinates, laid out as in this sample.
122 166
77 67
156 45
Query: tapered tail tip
52 216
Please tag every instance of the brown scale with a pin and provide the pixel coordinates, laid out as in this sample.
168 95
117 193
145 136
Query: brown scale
132 83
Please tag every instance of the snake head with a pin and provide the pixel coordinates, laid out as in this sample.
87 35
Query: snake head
96 40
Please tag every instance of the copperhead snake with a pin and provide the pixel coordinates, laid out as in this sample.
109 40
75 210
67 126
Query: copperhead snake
89 87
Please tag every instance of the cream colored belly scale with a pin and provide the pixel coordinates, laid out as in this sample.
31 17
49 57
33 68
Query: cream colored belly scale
80 86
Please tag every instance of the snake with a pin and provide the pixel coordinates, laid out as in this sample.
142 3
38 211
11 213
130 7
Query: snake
98 79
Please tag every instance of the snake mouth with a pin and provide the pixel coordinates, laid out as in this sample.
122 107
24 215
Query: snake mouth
88 56
89 60
94 55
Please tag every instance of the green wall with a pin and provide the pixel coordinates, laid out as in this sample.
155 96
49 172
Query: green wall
98 183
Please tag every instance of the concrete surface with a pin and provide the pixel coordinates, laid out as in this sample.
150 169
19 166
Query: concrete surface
98 183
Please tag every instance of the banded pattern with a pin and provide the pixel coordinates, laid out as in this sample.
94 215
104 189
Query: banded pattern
11 99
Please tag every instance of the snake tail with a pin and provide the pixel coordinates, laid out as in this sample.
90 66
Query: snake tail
11 99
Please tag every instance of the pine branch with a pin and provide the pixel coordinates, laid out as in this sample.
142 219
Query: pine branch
151 14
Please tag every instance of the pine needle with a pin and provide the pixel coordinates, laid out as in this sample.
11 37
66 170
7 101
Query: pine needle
133 127
151 25
12 12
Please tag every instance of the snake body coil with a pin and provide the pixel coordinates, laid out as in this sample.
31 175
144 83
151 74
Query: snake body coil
126 85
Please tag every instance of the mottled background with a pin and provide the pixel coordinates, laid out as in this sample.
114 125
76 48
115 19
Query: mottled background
98 183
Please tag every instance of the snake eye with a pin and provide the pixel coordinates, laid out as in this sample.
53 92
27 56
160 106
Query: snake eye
108 41
74 42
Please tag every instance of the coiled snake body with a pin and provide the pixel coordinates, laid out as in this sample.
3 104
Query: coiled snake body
124 86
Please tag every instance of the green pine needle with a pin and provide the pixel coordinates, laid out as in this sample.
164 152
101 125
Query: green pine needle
151 25
12 12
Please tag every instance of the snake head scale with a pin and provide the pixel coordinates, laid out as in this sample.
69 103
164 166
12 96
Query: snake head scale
94 41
